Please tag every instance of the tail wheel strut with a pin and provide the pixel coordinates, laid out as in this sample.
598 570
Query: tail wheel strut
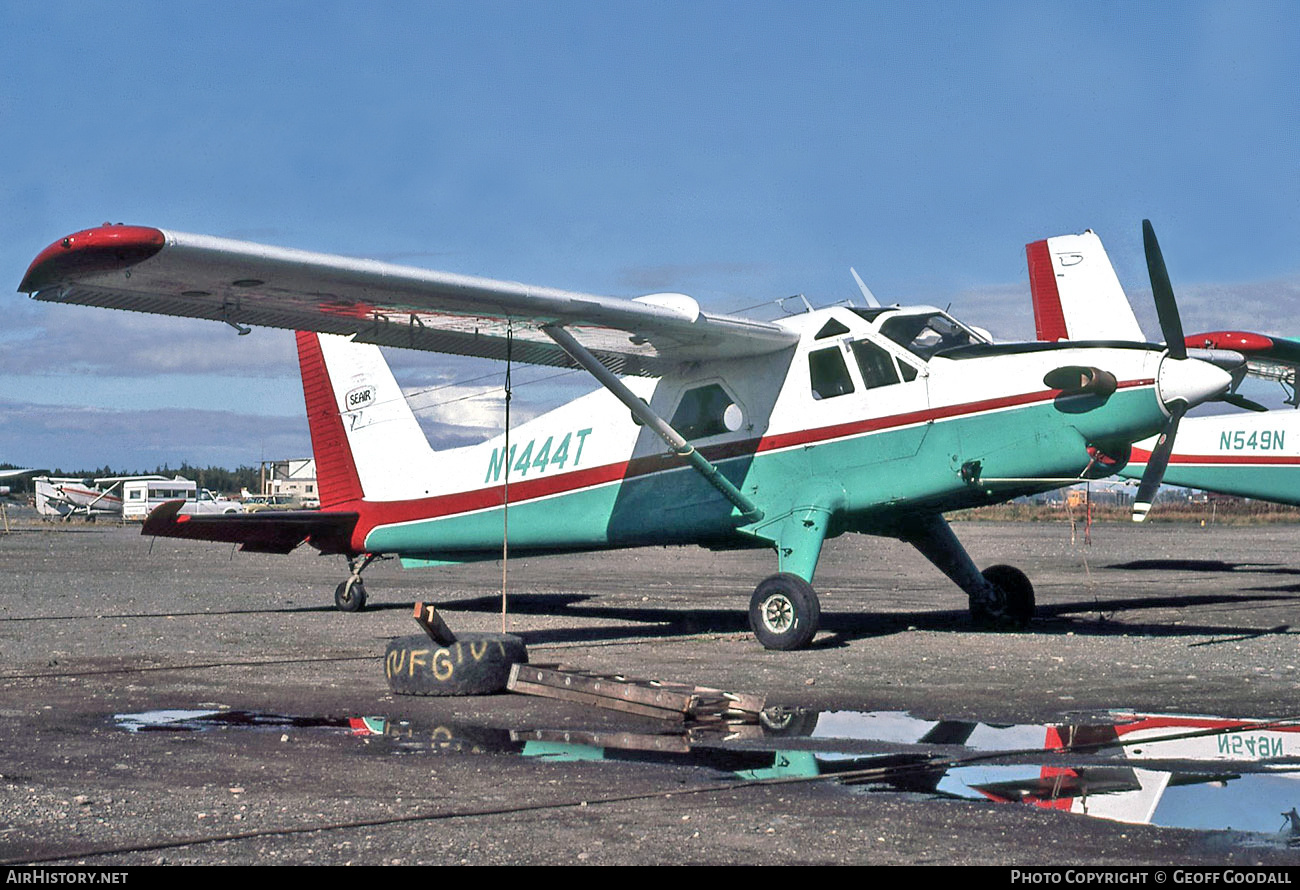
350 595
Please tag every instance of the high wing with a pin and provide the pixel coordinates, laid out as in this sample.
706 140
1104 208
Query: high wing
1267 357
199 276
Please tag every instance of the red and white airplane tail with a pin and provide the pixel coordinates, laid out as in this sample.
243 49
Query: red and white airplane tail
1077 295
368 447
365 437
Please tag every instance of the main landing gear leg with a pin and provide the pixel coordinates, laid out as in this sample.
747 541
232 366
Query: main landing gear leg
784 612
350 595
1000 596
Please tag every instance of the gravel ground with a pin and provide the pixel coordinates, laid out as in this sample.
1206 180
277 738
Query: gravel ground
97 621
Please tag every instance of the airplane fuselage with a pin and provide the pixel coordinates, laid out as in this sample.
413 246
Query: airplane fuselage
1249 455
849 422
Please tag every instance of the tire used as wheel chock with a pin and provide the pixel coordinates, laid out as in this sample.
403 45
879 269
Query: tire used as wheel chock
476 664
784 612
350 595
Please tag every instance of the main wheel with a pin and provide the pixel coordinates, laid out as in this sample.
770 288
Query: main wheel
476 664
350 595
1017 598
784 612
787 722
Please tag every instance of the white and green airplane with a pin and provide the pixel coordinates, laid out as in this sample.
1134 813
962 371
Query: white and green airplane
1077 296
707 429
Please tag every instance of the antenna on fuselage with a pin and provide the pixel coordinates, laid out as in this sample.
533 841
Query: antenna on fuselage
866 291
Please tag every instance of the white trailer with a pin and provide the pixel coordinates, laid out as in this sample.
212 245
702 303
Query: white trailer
141 497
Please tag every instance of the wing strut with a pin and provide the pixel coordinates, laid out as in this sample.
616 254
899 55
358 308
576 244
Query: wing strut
641 411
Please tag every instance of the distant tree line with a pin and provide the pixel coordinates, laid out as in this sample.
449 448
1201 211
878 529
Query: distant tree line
217 479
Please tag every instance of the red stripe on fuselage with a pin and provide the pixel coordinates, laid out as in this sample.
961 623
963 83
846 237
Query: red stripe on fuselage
1255 460
1049 317
377 513
1198 723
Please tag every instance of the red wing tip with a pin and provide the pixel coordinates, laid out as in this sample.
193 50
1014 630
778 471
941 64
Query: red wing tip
1241 341
101 249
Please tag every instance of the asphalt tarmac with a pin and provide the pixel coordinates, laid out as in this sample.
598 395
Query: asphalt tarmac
259 685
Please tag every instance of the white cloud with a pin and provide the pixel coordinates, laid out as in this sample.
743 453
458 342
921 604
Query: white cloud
76 339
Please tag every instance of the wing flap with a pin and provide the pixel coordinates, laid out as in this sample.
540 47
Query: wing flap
199 276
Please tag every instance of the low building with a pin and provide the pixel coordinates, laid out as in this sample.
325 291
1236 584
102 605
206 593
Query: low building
291 480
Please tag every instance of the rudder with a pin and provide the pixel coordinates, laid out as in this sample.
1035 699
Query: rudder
365 438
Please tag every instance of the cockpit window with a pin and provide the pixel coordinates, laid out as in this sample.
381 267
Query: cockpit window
924 335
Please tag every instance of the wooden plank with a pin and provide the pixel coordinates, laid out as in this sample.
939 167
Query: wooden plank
588 699
608 687
622 741
653 698
431 623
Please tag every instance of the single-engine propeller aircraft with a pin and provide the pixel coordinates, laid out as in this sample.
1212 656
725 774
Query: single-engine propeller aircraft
708 429
1077 296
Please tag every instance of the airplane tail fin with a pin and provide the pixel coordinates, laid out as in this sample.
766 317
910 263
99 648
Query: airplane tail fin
1077 295
366 440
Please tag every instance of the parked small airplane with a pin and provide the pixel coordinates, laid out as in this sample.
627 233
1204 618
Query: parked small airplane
68 496
1077 296
124 497
6 492
12 474
779 434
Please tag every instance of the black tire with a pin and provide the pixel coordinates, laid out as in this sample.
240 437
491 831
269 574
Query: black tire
784 613
350 595
476 664
1017 598
788 722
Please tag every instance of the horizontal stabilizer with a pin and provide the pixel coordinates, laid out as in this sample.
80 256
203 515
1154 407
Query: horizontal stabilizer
264 532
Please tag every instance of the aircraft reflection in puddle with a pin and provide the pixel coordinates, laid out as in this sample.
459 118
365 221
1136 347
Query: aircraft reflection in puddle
1250 781
198 721
1252 786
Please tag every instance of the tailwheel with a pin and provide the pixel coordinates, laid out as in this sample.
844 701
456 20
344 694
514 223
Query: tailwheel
350 595
1015 599
784 612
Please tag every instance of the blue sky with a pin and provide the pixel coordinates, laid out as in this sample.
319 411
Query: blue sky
738 152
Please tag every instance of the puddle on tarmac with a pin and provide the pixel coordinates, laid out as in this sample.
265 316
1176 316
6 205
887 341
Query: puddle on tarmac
199 721
1176 771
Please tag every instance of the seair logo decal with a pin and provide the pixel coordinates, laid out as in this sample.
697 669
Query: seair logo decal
361 397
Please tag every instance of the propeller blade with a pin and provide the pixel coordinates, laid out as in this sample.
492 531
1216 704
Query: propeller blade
1157 464
1171 326
1241 401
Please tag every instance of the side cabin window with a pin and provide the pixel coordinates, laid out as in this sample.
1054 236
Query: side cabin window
828 373
705 411
878 367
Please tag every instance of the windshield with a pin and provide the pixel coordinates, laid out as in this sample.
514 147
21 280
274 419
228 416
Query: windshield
924 335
